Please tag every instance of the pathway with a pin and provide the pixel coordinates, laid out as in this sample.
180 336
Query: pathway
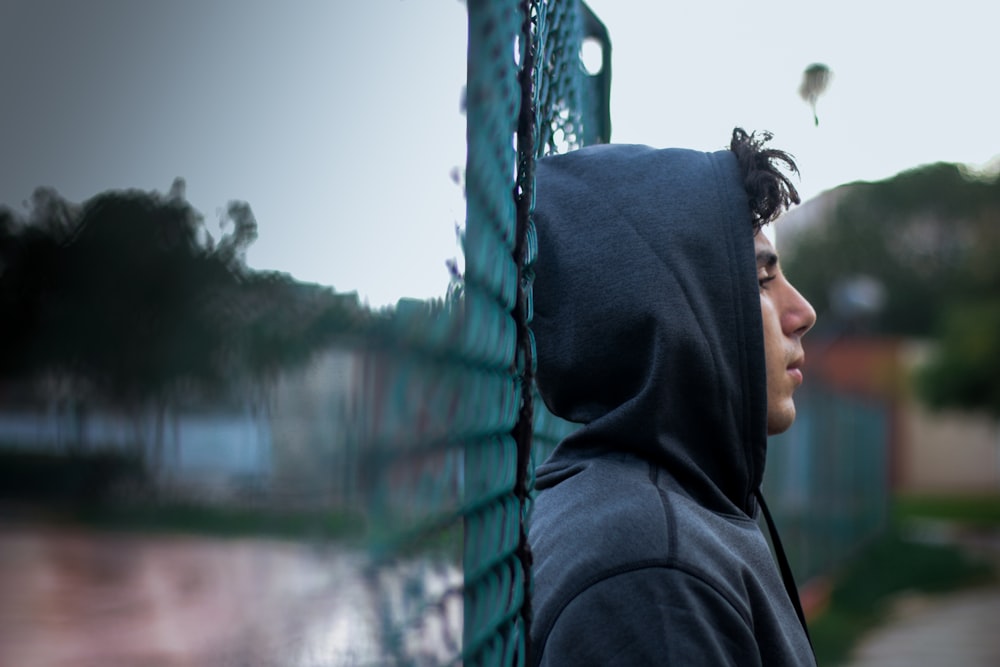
73 597
960 629
957 630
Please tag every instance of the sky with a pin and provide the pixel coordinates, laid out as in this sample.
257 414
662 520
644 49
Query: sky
340 121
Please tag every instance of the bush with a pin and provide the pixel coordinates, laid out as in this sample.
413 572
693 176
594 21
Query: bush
77 478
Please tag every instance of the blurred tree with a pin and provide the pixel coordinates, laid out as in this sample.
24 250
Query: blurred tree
965 371
232 248
122 306
131 293
930 237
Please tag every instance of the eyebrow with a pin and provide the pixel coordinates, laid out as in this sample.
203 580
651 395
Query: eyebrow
767 258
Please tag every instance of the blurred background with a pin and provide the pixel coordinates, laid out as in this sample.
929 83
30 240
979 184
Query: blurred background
231 271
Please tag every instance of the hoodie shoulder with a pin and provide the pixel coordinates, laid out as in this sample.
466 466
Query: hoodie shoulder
655 546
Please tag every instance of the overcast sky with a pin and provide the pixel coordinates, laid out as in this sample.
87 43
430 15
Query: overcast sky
339 121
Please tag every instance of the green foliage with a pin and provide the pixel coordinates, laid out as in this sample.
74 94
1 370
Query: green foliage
77 478
965 371
129 291
109 489
974 510
865 588
930 236
148 516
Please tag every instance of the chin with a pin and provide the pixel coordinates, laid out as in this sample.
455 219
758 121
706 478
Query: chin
780 420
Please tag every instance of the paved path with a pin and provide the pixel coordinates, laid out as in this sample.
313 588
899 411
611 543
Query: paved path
77 597
956 630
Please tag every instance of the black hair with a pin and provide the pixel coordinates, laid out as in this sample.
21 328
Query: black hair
769 188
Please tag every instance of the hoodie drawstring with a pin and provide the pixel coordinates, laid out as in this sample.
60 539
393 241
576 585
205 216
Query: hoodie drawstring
786 570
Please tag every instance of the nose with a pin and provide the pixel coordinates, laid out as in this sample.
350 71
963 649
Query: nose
799 316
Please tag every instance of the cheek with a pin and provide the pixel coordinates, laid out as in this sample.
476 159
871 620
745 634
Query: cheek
773 349
772 327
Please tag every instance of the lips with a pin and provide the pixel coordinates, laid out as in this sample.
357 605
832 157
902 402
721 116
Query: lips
794 370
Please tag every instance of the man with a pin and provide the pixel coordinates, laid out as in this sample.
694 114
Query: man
653 332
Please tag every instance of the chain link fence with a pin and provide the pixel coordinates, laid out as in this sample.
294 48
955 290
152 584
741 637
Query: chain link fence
448 407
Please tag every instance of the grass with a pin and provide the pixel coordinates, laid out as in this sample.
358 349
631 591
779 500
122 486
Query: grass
864 590
85 488
151 517
972 510
111 490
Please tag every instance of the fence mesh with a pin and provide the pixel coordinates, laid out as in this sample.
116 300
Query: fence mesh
827 478
447 405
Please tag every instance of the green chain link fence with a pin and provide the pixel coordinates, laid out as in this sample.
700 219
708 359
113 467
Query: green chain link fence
446 409
827 478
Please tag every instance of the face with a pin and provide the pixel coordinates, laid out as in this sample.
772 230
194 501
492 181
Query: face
787 317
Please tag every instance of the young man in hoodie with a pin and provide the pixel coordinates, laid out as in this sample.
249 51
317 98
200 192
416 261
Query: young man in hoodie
665 327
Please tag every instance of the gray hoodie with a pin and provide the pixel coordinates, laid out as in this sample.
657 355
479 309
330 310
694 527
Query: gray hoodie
648 331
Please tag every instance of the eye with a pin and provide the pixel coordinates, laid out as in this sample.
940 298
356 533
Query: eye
765 280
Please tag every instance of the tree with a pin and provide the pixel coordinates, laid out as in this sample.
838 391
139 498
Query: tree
965 371
129 292
931 238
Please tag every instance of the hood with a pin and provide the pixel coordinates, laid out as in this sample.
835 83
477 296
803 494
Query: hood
647 316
